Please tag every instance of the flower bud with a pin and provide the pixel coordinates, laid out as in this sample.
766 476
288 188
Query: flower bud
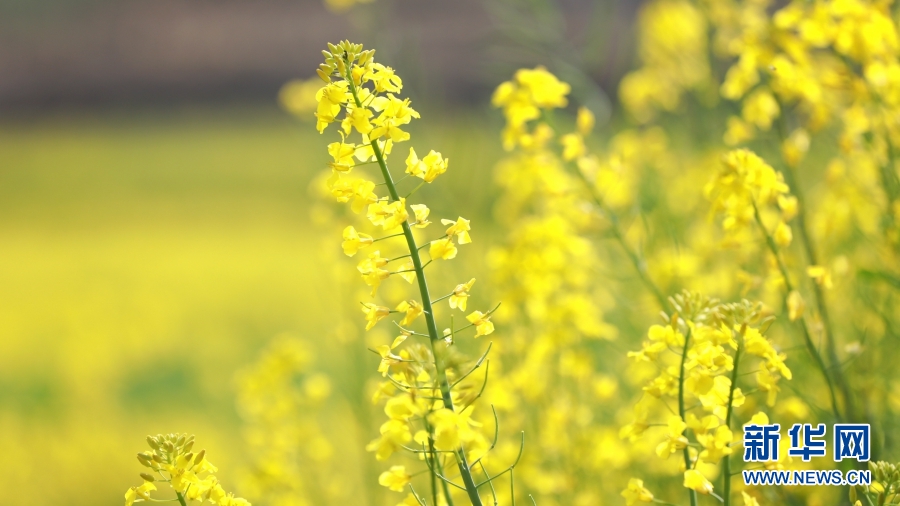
199 457
149 477
153 442
144 459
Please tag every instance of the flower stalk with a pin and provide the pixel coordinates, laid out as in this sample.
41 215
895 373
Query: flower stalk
434 336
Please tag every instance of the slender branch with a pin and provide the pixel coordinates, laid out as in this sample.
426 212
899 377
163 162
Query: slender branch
813 259
726 463
789 287
636 261
687 454
180 498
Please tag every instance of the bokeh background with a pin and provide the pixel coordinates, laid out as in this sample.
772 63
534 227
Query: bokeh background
159 225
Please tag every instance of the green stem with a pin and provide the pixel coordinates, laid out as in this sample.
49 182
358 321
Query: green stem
636 261
180 498
440 467
434 457
687 454
726 464
813 259
433 334
807 338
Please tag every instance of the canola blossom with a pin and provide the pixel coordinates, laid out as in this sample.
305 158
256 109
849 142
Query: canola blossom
190 475
426 399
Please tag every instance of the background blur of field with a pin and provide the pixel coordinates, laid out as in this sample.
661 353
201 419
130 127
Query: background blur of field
146 256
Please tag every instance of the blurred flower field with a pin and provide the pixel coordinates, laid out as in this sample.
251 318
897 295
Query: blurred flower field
368 299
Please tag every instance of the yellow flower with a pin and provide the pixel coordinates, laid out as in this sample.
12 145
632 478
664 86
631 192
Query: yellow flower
384 78
749 500
410 500
795 305
412 309
387 359
483 325
141 492
696 481
342 153
330 97
394 114
374 313
737 131
388 215
395 479
584 121
573 146
372 272
760 109
459 228
359 118
360 190
675 439
633 430
783 235
443 249
636 492
461 295
821 275
421 212
298 96
393 434
716 444
428 168
354 240
407 271
546 91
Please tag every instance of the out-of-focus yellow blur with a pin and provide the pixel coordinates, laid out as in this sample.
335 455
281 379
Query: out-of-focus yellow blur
143 261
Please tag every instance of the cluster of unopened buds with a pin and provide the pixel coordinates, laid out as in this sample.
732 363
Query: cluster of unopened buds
172 461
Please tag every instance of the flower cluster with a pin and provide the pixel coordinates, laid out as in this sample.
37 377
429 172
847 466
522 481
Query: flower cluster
747 186
698 353
189 474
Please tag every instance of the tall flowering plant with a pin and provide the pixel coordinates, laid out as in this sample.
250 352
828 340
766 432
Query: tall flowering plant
429 390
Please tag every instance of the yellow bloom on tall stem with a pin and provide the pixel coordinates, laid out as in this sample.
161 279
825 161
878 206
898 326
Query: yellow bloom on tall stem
697 482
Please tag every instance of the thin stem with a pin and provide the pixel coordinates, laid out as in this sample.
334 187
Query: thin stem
812 259
636 261
687 454
435 337
180 498
433 455
789 287
726 464
387 237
